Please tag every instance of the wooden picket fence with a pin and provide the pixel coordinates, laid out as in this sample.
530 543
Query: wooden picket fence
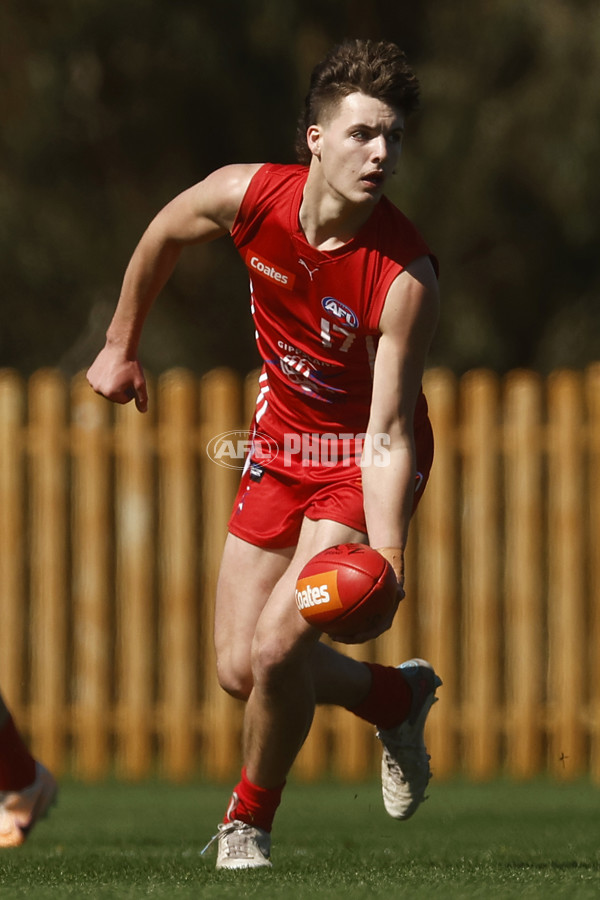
111 529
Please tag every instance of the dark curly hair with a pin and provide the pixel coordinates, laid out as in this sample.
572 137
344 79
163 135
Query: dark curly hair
376 68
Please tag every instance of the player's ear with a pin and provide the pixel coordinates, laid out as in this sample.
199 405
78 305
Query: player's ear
313 139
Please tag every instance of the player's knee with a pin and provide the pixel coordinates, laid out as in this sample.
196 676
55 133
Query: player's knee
235 678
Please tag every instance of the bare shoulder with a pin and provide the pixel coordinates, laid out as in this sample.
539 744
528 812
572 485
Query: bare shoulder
207 210
221 193
413 297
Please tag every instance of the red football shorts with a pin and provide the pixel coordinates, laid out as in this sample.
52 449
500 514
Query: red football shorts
273 499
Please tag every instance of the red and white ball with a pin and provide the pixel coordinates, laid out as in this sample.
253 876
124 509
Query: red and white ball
346 590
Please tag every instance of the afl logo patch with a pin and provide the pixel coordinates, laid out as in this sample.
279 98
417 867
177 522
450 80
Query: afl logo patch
340 311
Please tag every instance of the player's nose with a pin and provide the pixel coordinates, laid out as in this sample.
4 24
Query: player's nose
380 148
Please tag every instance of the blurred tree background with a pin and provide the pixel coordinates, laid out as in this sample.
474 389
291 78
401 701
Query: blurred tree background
111 107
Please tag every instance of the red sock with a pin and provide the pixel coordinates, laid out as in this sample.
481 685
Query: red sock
17 766
253 804
389 699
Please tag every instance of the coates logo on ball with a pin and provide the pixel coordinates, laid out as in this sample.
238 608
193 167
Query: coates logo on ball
318 591
347 590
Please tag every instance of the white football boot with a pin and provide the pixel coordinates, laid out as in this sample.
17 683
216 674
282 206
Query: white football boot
241 846
405 771
20 810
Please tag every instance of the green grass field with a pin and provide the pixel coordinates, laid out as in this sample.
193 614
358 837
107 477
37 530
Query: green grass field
330 840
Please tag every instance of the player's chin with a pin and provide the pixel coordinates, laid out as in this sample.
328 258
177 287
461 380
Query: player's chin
370 198
372 191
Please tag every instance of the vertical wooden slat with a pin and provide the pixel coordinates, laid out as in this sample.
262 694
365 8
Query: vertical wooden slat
12 582
439 541
220 411
592 385
92 585
178 554
524 620
480 657
566 597
135 582
48 555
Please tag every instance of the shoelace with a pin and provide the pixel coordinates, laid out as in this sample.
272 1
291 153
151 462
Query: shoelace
216 837
241 831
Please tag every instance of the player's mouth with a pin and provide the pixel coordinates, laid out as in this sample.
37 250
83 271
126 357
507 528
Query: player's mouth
374 179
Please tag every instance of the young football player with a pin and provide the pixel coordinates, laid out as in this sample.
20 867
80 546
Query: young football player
344 298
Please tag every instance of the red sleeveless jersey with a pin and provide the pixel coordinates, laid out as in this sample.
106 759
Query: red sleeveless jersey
316 313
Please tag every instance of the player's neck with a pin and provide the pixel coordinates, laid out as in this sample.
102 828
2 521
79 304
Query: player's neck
327 219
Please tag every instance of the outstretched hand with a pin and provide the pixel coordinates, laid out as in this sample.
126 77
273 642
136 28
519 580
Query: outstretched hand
118 379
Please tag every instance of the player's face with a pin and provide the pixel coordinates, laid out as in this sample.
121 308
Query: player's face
358 146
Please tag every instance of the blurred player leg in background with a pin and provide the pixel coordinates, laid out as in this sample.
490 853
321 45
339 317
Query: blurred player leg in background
26 788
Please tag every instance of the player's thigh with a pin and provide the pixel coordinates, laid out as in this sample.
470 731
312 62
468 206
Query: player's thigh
319 534
282 635
246 580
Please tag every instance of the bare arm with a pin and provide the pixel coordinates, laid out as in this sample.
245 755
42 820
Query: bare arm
200 214
407 326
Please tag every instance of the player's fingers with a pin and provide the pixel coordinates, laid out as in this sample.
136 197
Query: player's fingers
137 393
141 398
121 397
